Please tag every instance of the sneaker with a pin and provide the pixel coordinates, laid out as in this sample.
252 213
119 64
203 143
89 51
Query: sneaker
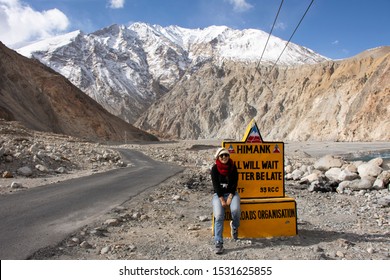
219 248
233 231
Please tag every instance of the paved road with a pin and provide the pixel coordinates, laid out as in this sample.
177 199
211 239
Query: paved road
44 216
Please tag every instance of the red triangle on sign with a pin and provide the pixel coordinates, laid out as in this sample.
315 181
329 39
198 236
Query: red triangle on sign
254 136
231 149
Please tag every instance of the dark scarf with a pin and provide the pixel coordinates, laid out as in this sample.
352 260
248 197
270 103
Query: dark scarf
224 169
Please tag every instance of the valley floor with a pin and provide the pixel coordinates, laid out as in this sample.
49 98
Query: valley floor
173 220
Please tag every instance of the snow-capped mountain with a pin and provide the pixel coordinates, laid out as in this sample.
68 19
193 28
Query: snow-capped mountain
126 69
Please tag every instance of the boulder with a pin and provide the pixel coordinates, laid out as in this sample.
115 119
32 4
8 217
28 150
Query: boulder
297 174
333 173
370 168
342 186
347 175
385 177
327 162
25 171
311 177
364 183
378 184
323 186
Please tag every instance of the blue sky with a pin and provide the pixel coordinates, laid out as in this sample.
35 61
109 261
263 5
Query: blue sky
333 28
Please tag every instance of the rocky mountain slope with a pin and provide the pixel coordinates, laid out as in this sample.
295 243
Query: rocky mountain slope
126 69
207 83
43 100
347 100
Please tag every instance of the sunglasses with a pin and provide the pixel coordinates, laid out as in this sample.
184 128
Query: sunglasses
224 155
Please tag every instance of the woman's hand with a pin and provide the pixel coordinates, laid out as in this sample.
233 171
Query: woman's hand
223 202
229 200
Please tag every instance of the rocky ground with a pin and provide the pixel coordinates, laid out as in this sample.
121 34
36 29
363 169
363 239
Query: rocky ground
173 220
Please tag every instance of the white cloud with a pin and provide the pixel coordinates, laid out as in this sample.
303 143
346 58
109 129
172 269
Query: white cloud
19 23
117 4
240 5
336 42
280 26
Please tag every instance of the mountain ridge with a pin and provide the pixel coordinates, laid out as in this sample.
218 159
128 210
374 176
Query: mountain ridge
346 100
42 99
126 69
182 83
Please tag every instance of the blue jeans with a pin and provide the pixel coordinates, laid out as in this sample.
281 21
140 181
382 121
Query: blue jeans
219 214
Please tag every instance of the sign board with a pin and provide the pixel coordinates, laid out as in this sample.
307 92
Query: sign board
260 168
260 164
265 218
265 210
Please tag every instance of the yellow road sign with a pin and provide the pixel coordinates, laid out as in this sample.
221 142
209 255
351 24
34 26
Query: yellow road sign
265 218
260 168
265 210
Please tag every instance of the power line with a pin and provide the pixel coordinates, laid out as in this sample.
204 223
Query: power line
269 35
296 28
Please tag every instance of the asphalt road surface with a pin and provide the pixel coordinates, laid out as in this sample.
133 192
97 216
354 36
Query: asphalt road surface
44 216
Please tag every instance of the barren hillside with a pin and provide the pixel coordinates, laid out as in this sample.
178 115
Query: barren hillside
42 99
347 100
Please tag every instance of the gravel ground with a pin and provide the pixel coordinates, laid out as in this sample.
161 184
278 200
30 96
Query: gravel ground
173 220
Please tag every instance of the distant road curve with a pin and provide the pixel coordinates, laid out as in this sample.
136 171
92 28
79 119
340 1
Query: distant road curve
44 216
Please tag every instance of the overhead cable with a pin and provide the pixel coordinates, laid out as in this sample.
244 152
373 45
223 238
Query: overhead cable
296 28
269 35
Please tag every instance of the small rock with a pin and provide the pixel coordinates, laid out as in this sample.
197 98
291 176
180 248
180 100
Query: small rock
98 232
61 170
9 158
144 217
41 168
105 250
15 185
131 248
85 245
194 227
112 222
204 218
75 240
136 215
370 250
317 249
7 174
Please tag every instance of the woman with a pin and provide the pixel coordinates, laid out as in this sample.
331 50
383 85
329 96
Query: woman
224 176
